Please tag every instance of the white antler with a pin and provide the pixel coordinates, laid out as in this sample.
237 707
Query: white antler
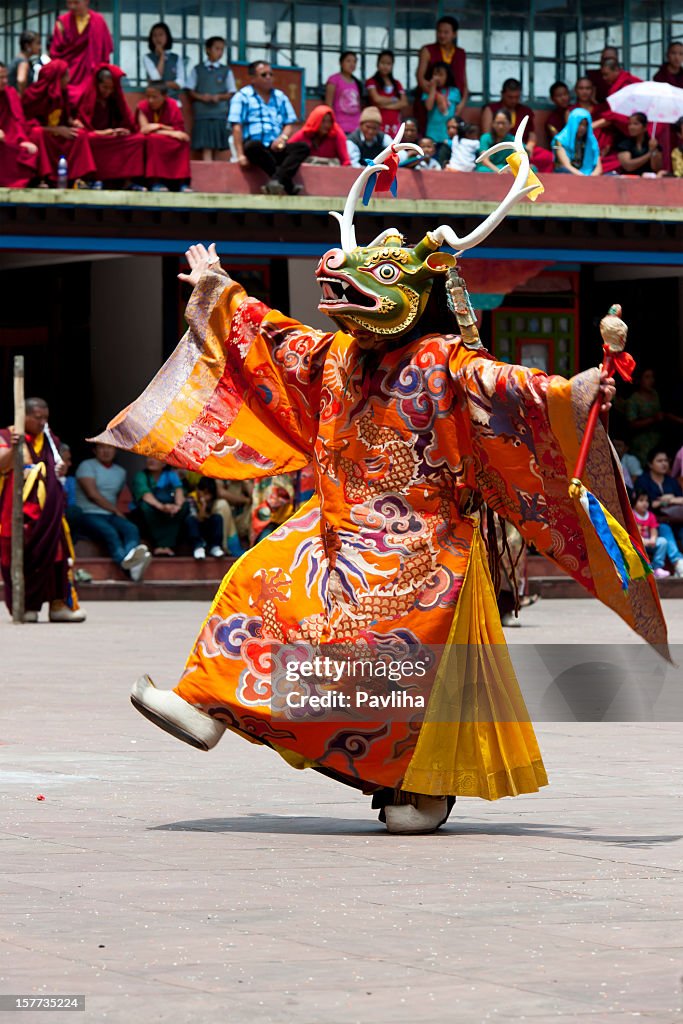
348 232
518 189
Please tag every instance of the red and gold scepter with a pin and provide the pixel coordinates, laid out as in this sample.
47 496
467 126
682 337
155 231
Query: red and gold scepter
625 551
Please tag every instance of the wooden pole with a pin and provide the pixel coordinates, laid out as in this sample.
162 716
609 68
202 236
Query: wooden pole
17 570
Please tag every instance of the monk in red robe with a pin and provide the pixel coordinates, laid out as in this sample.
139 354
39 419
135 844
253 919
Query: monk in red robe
19 156
616 78
671 72
47 542
82 38
49 113
117 146
594 75
167 160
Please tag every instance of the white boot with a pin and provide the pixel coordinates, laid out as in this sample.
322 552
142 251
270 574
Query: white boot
406 819
173 714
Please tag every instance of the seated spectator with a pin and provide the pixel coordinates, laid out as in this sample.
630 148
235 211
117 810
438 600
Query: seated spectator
605 135
464 148
82 39
117 147
576 148
500 132
677 150
666 501
100 482
441 101
160 500
510 96
237 493
656 547
445 51
25 68
161 64
614 78
343 93
272 504
677 468
20 159
428 162
263 120
211 86
557 118
386 93
48 111
67 482
369 140
410 132
211 523
629 463
324 138
594 76
167 144
639 154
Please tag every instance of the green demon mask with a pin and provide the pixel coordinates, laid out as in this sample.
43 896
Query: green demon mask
382 289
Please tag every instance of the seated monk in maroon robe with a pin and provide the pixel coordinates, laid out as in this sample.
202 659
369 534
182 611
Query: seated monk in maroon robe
19 156
82 38
167 159
118 148
615 78
510 95
48 112
47 543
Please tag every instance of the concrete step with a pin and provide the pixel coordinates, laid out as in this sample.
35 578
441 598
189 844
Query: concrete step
149 590
159 569
565 587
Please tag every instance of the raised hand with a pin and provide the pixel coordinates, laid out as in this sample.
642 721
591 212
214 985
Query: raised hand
200 259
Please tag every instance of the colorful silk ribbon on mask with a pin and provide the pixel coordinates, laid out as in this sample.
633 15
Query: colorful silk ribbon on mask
383 181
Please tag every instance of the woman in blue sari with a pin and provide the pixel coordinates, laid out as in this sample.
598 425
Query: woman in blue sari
576 148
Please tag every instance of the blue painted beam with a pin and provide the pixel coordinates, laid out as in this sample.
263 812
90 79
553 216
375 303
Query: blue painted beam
176 246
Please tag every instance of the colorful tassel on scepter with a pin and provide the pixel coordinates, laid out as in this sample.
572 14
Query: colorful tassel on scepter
625 551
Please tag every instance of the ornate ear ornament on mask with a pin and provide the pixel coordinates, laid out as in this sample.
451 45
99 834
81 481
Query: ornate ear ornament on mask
382 288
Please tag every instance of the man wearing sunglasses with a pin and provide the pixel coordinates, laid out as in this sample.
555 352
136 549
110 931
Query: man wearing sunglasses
262 120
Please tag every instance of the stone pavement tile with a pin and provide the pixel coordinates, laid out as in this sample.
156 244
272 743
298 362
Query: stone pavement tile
639 933
618 979
435 1000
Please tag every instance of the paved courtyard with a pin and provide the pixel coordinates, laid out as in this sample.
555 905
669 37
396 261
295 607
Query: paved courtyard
170 885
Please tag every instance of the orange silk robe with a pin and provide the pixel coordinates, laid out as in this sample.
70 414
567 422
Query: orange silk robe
388 549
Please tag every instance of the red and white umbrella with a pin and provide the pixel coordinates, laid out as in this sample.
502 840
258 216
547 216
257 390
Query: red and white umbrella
661 103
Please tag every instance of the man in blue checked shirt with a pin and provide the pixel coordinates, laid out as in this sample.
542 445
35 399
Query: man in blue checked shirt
262 120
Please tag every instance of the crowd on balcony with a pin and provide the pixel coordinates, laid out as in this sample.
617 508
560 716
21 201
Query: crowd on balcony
65 119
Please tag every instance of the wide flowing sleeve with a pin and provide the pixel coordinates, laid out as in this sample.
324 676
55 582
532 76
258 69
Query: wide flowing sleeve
525 432
239 397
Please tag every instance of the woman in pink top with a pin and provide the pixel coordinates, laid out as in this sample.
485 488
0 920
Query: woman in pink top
386 93
324 137
343 93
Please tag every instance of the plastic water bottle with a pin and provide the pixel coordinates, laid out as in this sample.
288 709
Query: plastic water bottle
62 173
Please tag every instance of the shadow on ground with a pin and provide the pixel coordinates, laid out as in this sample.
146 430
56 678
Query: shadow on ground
319 826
